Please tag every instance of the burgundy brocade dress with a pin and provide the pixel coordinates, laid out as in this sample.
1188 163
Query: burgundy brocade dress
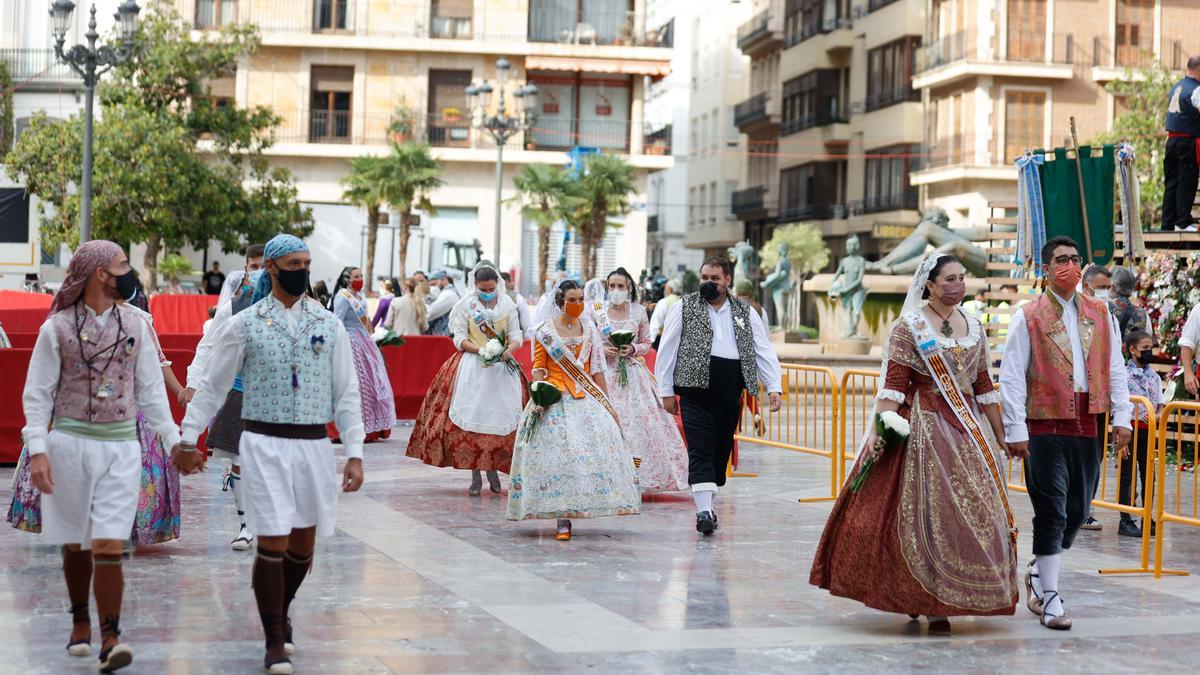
927 533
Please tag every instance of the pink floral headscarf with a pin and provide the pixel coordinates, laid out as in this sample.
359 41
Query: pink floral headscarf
88 258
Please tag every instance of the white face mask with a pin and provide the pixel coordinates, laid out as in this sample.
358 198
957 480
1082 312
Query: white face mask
618 297
434 290
1102 294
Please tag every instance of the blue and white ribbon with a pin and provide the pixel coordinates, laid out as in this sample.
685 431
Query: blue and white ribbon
1031 212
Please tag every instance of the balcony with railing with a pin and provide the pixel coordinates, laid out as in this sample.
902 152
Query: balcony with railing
1112 63
757 114
944 152
907 200
883 99
762 33
813 212
596 23
834 114
1028 54
33 65
838 26
749 202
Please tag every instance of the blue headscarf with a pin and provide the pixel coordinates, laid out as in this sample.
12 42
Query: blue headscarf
279 246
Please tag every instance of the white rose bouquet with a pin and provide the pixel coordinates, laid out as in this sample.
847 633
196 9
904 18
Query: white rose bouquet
493 353
384 337
891 430
619 339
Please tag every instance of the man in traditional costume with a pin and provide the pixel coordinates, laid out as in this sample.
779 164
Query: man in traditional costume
1062 371
713 347
298 374
93 367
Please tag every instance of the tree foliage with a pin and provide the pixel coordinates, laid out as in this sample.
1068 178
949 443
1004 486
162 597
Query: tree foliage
807 251
409 174
171 167
6 110
549 194
604 187
365 187
1144 92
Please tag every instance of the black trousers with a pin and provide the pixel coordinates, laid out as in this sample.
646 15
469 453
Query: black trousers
710 419
1180 173
1060 474
1125 477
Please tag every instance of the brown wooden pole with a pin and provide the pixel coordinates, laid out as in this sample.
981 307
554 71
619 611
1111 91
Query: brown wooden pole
1087 231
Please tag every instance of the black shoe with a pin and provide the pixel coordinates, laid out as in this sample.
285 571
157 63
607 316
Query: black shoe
705 522
1128 528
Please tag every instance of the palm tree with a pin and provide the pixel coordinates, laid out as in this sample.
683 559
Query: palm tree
366 188
410 174
547 192
604 186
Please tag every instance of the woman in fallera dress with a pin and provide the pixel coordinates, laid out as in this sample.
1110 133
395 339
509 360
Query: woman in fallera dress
930 532
576 463
469 417
650 431
375 390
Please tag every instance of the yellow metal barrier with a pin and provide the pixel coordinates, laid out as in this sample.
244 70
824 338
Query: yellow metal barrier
807 421
857 405
1178 417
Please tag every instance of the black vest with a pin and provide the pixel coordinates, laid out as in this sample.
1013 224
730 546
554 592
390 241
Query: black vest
1182 116
695 345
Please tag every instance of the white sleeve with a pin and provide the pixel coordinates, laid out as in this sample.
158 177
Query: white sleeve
1196 98
523 316
442 305
41 383
668 351
656 322
198 368
1118 379
769 371
229 342
347 409
458 326
150 390
1190 335
1013 367
517 336
232 283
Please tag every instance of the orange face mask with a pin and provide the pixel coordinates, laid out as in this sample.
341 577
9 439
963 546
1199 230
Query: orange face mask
573 309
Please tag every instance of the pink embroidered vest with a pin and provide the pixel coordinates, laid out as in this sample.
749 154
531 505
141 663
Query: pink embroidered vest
96 394
1050 377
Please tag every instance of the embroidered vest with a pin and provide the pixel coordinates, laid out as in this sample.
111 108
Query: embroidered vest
1050 377
288 377
695 345
100 393
237 303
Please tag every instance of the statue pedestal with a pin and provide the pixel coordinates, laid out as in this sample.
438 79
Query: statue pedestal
855 346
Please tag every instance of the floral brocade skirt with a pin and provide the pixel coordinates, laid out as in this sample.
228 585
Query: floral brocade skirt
436 440
158 511
576 465
650 432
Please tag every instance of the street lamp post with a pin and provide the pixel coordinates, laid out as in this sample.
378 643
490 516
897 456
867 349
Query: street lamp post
500 124
90 62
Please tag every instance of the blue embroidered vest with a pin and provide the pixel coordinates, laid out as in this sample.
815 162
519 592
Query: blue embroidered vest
288 377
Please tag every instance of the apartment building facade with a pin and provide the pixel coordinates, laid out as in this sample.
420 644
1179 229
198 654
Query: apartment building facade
998 77
834 123
348 76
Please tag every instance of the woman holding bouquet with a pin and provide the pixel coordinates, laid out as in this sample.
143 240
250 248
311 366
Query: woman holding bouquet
469 417
649 430
571 461
374 388
930 530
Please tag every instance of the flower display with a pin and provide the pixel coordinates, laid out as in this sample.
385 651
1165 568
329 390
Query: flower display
385 337
891 430
493 352
1168 286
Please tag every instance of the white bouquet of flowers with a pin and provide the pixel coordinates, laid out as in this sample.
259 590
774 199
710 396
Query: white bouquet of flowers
384 337
493 352
891 430
621 338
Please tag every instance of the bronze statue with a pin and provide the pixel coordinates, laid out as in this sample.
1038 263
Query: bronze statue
847 284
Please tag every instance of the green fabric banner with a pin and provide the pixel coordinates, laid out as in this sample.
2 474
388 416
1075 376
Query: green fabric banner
1060 189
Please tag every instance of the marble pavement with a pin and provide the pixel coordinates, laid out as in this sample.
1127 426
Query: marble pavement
421 578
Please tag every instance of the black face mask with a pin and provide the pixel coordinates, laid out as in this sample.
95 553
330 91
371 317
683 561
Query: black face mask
1145 355
710 291
126 285
293 282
